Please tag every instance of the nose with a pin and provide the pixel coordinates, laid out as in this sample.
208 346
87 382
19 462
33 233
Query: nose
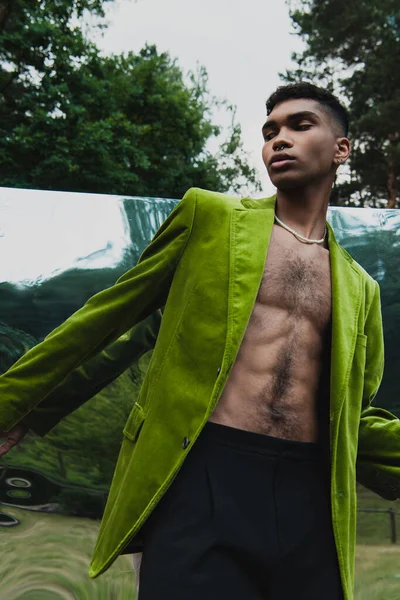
282 141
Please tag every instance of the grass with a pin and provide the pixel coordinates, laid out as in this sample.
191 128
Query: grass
374 528
46 557
377 572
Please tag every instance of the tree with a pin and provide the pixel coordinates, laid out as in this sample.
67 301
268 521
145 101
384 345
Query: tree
353 48
71 119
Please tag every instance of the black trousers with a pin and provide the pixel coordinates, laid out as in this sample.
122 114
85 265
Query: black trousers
246 518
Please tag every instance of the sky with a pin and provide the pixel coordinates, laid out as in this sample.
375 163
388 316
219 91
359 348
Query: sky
242 44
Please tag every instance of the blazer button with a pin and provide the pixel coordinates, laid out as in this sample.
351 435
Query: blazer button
185 443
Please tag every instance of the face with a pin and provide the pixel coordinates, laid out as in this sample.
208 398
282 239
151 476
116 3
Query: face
303 131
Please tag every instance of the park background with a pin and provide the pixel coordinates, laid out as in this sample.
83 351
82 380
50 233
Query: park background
150 98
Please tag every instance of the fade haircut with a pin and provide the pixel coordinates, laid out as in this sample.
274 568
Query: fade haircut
308 91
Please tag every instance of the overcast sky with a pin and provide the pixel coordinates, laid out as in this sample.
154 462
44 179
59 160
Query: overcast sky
243 44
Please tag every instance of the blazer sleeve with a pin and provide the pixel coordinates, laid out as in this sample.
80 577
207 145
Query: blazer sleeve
378 459
90 378
104 318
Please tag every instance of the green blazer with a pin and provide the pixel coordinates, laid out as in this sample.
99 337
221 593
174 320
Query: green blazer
204 266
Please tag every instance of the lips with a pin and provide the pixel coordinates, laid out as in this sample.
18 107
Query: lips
280 160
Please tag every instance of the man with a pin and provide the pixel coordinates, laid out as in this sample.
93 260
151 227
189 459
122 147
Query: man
237 472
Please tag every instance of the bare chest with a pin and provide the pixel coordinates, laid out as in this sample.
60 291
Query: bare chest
273 386
297 280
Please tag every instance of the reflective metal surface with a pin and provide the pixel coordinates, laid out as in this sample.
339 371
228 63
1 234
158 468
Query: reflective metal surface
372 237
57 250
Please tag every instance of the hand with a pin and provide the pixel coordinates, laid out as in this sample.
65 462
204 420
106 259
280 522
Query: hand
14 436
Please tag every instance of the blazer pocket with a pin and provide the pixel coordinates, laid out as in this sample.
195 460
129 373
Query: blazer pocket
361 339
134 423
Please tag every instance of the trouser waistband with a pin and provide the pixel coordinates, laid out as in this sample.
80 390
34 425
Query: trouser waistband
261 443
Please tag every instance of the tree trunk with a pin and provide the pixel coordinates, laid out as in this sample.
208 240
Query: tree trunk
61 464
5 11
392 175
391 188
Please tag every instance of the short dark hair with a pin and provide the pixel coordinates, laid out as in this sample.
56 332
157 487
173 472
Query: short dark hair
309 91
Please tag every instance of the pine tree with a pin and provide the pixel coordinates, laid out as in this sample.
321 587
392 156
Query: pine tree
353 49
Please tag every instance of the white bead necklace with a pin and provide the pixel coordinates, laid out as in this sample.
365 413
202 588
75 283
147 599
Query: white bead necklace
300 237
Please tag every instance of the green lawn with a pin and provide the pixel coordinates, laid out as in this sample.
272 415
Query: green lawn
377 572
46 557
374 528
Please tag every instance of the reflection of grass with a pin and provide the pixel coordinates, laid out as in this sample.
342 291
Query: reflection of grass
47 557
18 494
38 455
20 482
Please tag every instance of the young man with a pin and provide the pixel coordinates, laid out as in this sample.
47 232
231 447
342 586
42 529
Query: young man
237 472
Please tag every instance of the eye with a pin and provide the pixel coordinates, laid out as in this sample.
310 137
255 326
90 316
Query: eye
303 126
268 136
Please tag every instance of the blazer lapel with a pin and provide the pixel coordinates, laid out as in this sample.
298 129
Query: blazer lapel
346 303
251 228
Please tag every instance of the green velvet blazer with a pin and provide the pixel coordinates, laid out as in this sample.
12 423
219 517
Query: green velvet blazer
204 267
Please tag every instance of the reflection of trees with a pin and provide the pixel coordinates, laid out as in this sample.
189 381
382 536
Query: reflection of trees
84 446
87 442
144 218
89 439
13 344
378 251
39 309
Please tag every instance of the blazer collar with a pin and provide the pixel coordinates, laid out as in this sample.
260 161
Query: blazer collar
259 202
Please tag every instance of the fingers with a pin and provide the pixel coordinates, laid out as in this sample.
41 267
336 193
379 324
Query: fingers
7 445
14 436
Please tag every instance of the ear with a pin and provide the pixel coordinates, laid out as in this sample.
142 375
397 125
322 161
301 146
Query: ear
342 151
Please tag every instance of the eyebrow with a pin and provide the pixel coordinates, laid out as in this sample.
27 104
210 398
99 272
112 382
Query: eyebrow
271 124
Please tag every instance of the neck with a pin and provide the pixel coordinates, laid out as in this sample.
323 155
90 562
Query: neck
304 209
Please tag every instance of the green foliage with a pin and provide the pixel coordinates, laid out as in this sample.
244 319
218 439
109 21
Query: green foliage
13 343
353 49
71 119
94 456
80 503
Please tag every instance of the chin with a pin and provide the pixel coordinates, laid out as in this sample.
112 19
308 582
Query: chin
290 181
287 183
